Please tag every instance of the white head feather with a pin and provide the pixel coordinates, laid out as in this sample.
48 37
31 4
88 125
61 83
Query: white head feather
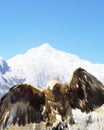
51 84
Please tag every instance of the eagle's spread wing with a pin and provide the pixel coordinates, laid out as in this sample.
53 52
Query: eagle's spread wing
86 92
22 104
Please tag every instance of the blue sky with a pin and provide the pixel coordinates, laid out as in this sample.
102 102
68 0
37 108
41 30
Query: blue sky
73 26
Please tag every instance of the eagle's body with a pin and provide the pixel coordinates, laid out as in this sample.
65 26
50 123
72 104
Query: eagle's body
28 104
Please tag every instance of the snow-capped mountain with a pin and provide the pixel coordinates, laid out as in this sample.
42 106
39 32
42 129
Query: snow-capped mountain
44 63
41 64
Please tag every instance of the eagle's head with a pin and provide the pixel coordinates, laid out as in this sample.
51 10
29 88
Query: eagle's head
53 86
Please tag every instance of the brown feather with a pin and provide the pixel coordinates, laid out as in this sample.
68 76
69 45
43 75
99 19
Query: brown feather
25 101
86 92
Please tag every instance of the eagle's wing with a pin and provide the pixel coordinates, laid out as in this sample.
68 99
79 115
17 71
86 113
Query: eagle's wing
22 104
86 92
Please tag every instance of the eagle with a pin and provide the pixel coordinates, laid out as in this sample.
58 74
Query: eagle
25 103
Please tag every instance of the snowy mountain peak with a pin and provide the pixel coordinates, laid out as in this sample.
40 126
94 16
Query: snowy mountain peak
44 48
41 64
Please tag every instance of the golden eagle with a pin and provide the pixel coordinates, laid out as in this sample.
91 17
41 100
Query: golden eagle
24 103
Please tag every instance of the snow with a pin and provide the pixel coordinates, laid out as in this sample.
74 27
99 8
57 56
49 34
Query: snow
3 66
41 64
91 121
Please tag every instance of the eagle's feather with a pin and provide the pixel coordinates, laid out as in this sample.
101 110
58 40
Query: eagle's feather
85 91
22 104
